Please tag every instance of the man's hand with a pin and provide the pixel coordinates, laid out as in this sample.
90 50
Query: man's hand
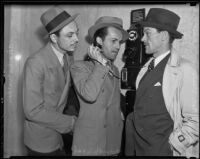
74 118
95 53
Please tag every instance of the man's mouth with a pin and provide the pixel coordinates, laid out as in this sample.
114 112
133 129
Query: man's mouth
115 52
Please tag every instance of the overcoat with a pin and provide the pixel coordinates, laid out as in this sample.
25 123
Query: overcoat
98 129
180 92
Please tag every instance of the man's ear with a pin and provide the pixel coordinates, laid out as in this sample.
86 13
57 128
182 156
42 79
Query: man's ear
99 40
53 38
165 35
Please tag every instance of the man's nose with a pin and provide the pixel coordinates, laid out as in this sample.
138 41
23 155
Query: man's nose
143 38
76 38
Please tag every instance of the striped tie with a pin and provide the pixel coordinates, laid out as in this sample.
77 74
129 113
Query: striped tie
150 68
151 65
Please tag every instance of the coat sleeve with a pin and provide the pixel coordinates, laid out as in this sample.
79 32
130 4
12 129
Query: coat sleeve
36 109
187 134
87 81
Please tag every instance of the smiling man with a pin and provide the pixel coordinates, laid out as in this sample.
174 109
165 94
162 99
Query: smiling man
46 84
98 130
166 110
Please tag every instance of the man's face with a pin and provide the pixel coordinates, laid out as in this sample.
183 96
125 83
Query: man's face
111 44
152 40
68 38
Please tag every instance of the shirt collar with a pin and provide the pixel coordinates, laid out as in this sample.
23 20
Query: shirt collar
58 54
159 58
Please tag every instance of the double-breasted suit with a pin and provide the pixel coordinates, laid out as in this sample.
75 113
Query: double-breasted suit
45 95
99 125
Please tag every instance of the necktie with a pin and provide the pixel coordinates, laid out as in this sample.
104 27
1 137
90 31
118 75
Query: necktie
65 65
151 65
110 65
150 68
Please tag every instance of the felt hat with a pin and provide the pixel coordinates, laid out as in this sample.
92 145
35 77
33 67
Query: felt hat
108 21
163 19
56 18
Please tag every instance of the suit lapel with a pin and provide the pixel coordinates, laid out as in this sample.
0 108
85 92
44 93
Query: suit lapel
171 79
63 98
68 61
54 64
142 73
149 81
114 84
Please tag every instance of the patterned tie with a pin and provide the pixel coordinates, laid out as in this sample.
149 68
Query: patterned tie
151 65
110 65
150 68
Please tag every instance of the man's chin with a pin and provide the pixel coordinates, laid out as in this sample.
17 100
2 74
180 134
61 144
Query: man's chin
112 59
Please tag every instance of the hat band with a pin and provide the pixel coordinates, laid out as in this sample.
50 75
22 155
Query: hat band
57 20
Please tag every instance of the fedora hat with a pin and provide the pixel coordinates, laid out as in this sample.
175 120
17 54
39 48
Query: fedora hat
163 19
56 18
108 21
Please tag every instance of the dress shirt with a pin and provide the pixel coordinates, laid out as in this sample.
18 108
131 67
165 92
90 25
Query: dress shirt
58 54
159 58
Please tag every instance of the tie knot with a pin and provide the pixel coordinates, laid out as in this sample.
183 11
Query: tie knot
64 57
151 65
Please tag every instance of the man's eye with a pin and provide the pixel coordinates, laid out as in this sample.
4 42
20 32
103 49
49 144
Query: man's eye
69 36
146 33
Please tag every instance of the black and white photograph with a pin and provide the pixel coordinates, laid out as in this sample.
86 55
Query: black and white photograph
100 80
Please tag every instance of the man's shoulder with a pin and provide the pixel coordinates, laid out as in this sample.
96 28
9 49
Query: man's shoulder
182 61
40 53
83 64
38 57
186 66
185 62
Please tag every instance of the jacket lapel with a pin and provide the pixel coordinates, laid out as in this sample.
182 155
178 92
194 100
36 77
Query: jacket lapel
114 84
171 79
142 72
54 64
150 83
63 98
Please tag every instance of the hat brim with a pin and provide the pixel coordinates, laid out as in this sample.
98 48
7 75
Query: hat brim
174 33
94 28
65 22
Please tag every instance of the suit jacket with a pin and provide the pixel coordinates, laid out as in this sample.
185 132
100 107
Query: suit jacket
99 125
44 97
180 91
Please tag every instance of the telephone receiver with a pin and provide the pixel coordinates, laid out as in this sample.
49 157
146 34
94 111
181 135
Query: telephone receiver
97 45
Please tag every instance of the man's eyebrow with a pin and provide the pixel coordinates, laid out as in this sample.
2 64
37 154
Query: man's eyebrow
146 29
72 32
115 38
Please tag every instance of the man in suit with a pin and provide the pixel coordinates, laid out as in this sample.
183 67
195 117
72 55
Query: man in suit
46 84
166 114
98 130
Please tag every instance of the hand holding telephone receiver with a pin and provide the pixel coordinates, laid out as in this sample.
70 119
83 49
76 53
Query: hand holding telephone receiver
97 45
95 53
